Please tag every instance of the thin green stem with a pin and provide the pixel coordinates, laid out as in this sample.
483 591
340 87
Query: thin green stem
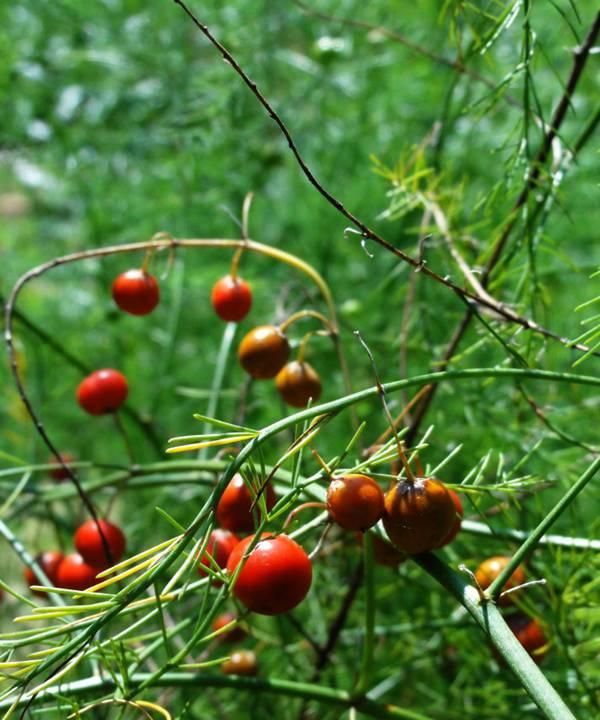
534 537
129 593
218 377
369 625
288 688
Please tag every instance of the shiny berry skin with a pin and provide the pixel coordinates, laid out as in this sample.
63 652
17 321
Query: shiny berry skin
457 520
219 547
489 570
88 543
233 509
275 577
418 515
234 634
355 502
59 473
49 562
102 392
241 662
136 292
231 298
297 382
263 352
74 573
530 634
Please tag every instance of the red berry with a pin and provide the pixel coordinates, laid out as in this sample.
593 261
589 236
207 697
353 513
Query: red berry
231 298
58 472
89 545
136 292
530 634
418 515
219 547
233 509
74 573
275 577
241 662
234 634
355 502
489 570
298 382
457 520
49 562
263 352
104 391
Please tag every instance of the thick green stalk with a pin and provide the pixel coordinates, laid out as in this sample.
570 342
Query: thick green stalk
534 537
488 617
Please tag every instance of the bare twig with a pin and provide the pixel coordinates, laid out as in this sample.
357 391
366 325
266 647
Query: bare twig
366 232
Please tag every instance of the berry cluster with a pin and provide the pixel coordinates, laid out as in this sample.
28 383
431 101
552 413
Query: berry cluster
99 545
269 573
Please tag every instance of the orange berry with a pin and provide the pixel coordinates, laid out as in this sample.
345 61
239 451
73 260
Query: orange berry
489 570
457 520
298 382
355 502
263 352
241 662
418 515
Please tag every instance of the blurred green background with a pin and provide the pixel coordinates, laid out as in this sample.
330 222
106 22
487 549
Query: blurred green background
118 120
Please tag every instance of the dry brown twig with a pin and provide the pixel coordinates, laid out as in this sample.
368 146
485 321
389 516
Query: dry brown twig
365 231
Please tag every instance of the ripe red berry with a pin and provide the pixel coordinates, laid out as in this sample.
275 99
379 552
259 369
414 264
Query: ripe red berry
298 382
74 573
275 577
457 520
235 634
233 509
49 562
88 542
530 634
241 662
136 292
263 352
58 472
104 391
219 547
231 298
489 570
355 502
418 515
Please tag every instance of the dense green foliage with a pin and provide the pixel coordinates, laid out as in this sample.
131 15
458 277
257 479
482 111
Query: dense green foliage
119 120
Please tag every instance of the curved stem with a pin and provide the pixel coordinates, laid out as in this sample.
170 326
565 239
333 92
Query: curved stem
303 345
301 314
